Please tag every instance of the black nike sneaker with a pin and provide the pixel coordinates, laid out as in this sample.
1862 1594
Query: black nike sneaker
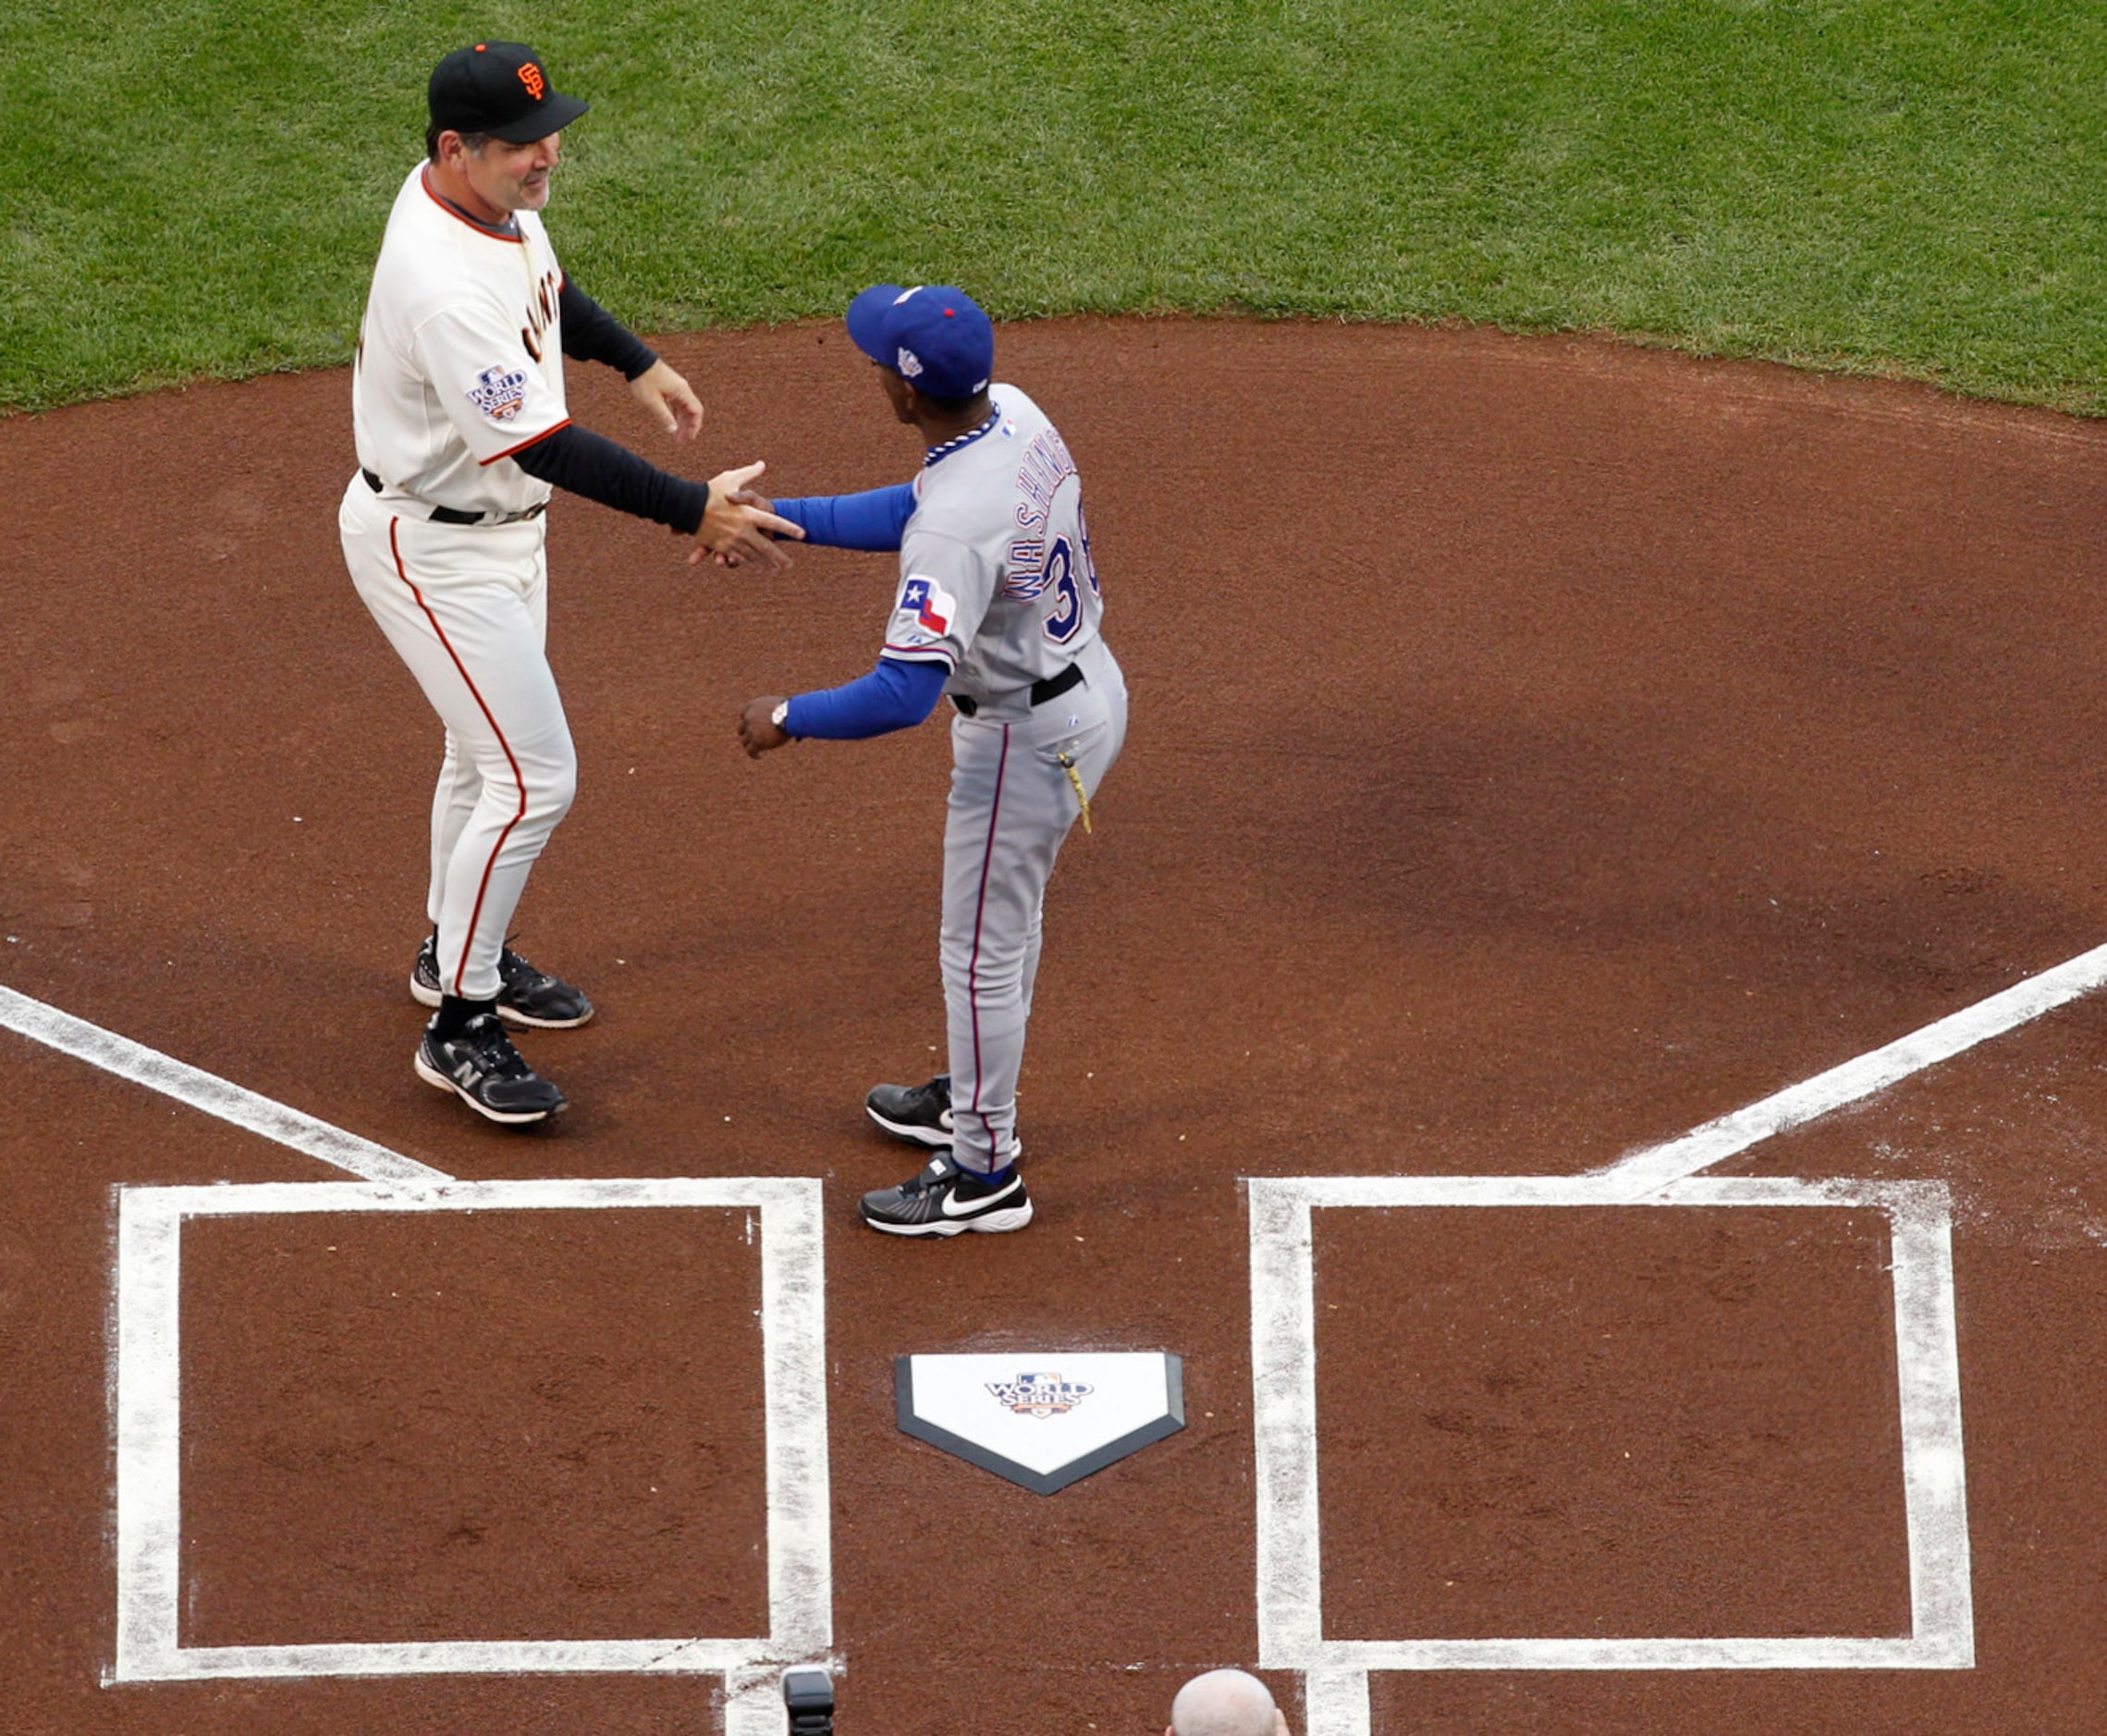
483 1069
918 1114
525 995
943 1200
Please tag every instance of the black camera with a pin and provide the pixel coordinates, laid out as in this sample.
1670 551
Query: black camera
808 1697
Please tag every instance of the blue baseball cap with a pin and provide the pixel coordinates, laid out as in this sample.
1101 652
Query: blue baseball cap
933 335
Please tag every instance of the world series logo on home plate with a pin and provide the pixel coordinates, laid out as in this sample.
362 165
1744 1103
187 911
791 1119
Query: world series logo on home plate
1045 1419
1040 1395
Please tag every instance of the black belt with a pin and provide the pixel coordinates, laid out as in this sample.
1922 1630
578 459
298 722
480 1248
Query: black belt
1053 687
454 515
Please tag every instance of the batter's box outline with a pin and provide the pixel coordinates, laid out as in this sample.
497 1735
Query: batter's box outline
1283 1369
149 1436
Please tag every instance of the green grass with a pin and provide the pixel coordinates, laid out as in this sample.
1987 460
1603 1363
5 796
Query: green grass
1904 186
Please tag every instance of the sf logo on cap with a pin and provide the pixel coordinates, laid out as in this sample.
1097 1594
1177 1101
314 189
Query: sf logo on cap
530 76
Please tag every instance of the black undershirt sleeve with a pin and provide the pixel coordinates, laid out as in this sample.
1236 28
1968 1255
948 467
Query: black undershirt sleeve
591 333
589 464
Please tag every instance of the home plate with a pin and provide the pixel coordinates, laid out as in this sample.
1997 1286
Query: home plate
1042 1418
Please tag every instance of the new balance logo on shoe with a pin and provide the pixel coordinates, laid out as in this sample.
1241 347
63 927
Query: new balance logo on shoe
481 1068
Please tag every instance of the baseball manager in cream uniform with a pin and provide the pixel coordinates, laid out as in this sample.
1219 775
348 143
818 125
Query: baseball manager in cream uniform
458 403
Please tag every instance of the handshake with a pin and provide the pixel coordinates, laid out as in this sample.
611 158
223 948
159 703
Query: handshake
739 525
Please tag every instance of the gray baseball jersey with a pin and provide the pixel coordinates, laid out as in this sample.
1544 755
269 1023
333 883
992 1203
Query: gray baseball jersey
996 578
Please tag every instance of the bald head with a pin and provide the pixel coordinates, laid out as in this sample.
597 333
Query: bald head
1225 1703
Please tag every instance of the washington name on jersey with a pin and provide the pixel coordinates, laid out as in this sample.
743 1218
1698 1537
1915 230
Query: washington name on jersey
996 582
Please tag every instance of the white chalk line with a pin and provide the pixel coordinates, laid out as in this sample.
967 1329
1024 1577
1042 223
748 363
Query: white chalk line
149 1454
1283 1361
1933 1484
221 1099
149 1399
1653 1167
1284 1375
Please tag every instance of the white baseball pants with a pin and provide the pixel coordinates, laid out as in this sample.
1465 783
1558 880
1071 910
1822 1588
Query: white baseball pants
1012 806
466 606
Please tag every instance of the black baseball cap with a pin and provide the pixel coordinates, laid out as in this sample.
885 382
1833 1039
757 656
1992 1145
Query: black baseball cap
500 88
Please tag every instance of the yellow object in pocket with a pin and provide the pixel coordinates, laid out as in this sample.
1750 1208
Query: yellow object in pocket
1067 763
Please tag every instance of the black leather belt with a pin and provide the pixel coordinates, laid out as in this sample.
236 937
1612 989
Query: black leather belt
454 515
1053 687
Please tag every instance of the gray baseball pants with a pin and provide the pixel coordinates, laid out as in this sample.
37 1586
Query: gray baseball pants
1012 805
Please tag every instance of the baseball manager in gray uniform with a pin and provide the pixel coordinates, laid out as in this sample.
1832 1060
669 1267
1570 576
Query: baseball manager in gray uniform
998 610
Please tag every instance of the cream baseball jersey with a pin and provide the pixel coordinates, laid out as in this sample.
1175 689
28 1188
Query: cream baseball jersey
461 356
995 577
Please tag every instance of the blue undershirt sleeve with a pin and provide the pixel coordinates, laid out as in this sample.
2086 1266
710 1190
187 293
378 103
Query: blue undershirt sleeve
873 519
896 695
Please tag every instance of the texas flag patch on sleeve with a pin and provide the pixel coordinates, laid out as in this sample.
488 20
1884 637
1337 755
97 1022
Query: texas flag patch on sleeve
929 603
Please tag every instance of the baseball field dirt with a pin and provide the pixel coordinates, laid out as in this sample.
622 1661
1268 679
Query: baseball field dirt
1539 747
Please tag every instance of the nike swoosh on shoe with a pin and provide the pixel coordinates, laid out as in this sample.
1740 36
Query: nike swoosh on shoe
969 1206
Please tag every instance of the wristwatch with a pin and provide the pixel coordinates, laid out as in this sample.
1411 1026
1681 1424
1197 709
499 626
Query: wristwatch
779 715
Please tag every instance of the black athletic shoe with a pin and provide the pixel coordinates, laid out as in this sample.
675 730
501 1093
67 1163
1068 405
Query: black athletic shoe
525 995
944 1200
918 1114
486 1072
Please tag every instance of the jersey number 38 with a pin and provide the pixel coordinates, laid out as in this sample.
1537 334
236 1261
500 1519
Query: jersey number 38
1066 614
